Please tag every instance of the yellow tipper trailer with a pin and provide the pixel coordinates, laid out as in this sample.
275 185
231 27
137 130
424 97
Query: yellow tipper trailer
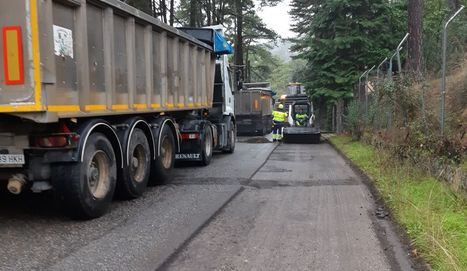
97 97
73 58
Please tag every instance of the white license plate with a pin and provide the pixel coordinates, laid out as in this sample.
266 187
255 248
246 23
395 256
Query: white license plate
11 159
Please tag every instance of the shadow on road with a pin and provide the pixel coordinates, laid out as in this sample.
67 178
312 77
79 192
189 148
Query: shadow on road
29 205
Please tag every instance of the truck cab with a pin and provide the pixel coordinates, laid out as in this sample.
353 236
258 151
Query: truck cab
220 117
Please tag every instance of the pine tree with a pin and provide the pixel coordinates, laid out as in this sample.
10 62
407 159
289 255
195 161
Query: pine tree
415 26
339 38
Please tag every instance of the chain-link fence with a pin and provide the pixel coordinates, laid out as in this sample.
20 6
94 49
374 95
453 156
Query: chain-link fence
388 98
422 119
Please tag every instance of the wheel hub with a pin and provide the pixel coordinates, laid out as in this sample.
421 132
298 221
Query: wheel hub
94 175
135 162
98 177
138 163
166 152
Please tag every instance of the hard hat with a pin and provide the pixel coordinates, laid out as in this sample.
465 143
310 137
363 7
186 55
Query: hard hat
281 106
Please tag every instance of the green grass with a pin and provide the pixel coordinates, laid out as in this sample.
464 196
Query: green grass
434 216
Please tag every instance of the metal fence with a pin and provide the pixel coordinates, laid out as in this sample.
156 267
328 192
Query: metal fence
423 121
386 98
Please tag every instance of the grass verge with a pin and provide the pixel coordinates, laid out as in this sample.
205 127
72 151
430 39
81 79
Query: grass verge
434 216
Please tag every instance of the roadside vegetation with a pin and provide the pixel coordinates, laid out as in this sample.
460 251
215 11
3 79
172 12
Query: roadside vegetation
433 214
392 111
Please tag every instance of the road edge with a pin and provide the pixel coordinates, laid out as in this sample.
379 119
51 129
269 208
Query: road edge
386 228
165 264
172 256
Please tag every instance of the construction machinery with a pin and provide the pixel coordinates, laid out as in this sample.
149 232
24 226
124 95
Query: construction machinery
97 97
301 126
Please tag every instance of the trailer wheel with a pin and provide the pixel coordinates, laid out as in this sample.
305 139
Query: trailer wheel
162 166
232 137
135 174
207 145
87 188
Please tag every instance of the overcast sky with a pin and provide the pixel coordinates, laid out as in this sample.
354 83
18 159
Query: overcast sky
277 18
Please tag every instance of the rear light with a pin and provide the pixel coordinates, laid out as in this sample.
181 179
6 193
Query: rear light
56 141
13 55
190 136
256 104
65 138
52 142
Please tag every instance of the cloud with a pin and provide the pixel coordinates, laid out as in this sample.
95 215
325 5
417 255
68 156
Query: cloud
277 18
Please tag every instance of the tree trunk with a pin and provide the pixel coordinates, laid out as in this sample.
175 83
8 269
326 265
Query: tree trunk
208 12
414 61
321 118
172 12
246 51
339 113
333 121
220 12
193 8
213 11
239 43
163 10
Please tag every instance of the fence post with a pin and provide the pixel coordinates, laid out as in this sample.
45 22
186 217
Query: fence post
366 92
333 113
360 84
443 69
398 49
379 66
390 65
339 113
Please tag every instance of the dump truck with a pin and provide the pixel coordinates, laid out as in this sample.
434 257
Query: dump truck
301 126
98 98
253 109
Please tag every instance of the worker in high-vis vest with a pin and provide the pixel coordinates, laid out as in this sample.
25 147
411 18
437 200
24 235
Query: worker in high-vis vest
301 118
279 119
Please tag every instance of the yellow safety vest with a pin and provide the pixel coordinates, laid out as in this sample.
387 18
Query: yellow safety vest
279 116
301 116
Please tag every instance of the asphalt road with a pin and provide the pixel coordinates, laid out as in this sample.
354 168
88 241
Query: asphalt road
266 207
305 209
136 235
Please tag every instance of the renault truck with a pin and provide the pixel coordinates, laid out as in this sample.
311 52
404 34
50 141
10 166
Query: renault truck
100 99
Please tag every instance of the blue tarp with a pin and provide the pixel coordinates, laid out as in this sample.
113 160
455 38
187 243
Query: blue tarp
221 46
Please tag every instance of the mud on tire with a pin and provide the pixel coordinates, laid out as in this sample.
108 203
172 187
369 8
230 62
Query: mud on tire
135 174
207 146
86 188
162 166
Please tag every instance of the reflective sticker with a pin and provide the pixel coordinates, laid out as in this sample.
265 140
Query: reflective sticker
63 41
13 55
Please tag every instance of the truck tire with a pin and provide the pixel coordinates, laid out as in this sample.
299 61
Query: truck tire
232 137
135 174
87 188
207 146
162 166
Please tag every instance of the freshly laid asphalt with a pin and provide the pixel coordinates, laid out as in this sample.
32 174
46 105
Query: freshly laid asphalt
265 207
305 209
